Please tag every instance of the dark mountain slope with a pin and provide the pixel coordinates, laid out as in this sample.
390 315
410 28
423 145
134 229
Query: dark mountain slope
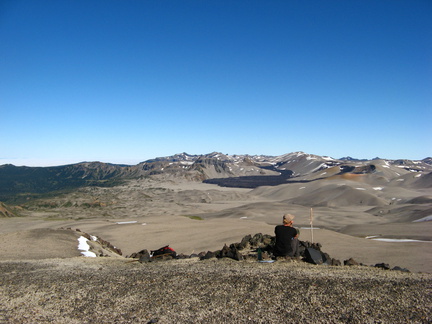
39 180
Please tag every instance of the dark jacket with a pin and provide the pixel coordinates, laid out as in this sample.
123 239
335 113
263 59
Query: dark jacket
284 236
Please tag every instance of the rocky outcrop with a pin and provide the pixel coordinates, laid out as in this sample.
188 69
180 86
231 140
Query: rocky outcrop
99 246
259 247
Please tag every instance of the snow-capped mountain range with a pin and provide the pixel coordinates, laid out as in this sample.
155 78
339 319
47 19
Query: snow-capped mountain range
240 170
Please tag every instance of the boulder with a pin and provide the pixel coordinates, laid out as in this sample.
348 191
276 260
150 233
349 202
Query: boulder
397 268
209 255
384 266
351 262
245 242
257 240
335 262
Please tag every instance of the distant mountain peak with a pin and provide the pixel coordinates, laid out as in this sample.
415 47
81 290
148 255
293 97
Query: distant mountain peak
349 158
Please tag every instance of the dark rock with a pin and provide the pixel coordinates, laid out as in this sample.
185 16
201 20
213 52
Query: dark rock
303 245
209 255
225 252
245 242
317 246
326 257
256 240
238 256
397 268
315 256
144 256
335 262
230 252
236 246
183 256
138 255
267 240
351 262
384 266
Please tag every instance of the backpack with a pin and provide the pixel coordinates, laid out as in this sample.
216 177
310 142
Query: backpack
315 256
162 252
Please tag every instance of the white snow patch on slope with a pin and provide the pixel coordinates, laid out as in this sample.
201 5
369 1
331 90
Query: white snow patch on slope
397 240
424 219
84 247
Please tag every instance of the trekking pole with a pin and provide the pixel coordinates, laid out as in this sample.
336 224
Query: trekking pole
311 222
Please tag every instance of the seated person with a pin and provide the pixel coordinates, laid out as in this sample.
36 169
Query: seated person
286 238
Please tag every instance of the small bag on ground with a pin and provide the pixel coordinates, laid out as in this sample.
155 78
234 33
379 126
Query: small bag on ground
162 252
315 256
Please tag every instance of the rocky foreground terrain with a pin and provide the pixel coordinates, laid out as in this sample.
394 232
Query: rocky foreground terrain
113 290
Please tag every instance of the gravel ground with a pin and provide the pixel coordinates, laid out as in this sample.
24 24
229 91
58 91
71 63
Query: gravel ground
96 290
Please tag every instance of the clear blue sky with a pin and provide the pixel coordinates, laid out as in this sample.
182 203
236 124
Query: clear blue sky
125 81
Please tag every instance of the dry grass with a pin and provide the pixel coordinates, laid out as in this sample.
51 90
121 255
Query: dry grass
85 290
